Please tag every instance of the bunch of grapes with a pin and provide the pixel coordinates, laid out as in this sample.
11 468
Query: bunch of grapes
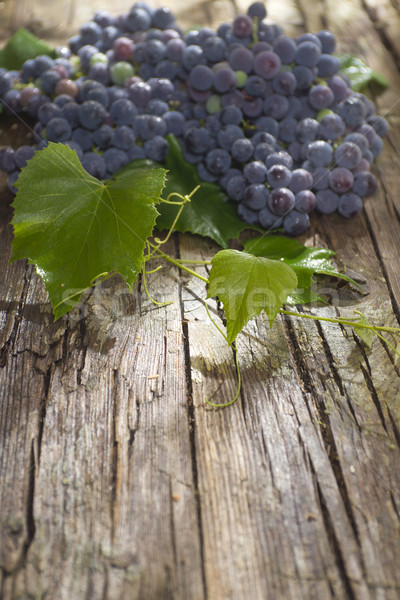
268 118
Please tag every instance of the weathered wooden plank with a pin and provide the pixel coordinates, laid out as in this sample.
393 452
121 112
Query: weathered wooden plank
114 453
253 450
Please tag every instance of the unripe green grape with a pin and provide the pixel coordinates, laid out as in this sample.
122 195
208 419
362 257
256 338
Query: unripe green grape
121 71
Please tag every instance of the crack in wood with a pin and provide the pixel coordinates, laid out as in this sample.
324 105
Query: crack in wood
6 349
330 531
114 457
327 434
192 438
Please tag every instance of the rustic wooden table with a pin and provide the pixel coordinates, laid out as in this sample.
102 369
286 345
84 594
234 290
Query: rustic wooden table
117 482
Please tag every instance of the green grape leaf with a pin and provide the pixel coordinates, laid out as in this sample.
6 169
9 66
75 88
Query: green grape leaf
248 284
304 261
209 214
360 74
367 336
75 228
21 46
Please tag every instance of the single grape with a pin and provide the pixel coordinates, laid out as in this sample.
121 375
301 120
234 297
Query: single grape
307 54
235 187
58 130
365 184
340 180
242 150
94 164
242 26
305 201
301 179
267 64
22 155
123 112
319 153
350 205
347 155
255 196
255 172
281 201
327 201
218 161
91 114
257 9
296 222
247 215
278 176
285 48
201 77
269 220
156 148
103 137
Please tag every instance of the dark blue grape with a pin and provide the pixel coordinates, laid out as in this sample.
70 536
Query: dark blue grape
218 161
281 201
320 96
255 196
365 184
235 187
22 155
285 48
295 223
255 172
257 9
327 201
255 85
319 153
138 19
279 158
192 56
7 160
70 112
305 201
276 106
215 49
147 126
247 215
242 150
328 65
278 176
114 159
348 155
58 130
175 122
91 114
350 205
328 41
197 140
340 180
269 220
331 127
103 137
83 137
301 179
156 148
241 59
228 135
162 18
94 164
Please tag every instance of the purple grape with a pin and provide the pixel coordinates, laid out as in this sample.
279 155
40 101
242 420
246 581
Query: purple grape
350 205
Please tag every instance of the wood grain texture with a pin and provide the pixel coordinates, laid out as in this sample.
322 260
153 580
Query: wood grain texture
118 481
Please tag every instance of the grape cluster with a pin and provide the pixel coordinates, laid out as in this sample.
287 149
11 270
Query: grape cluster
268 118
